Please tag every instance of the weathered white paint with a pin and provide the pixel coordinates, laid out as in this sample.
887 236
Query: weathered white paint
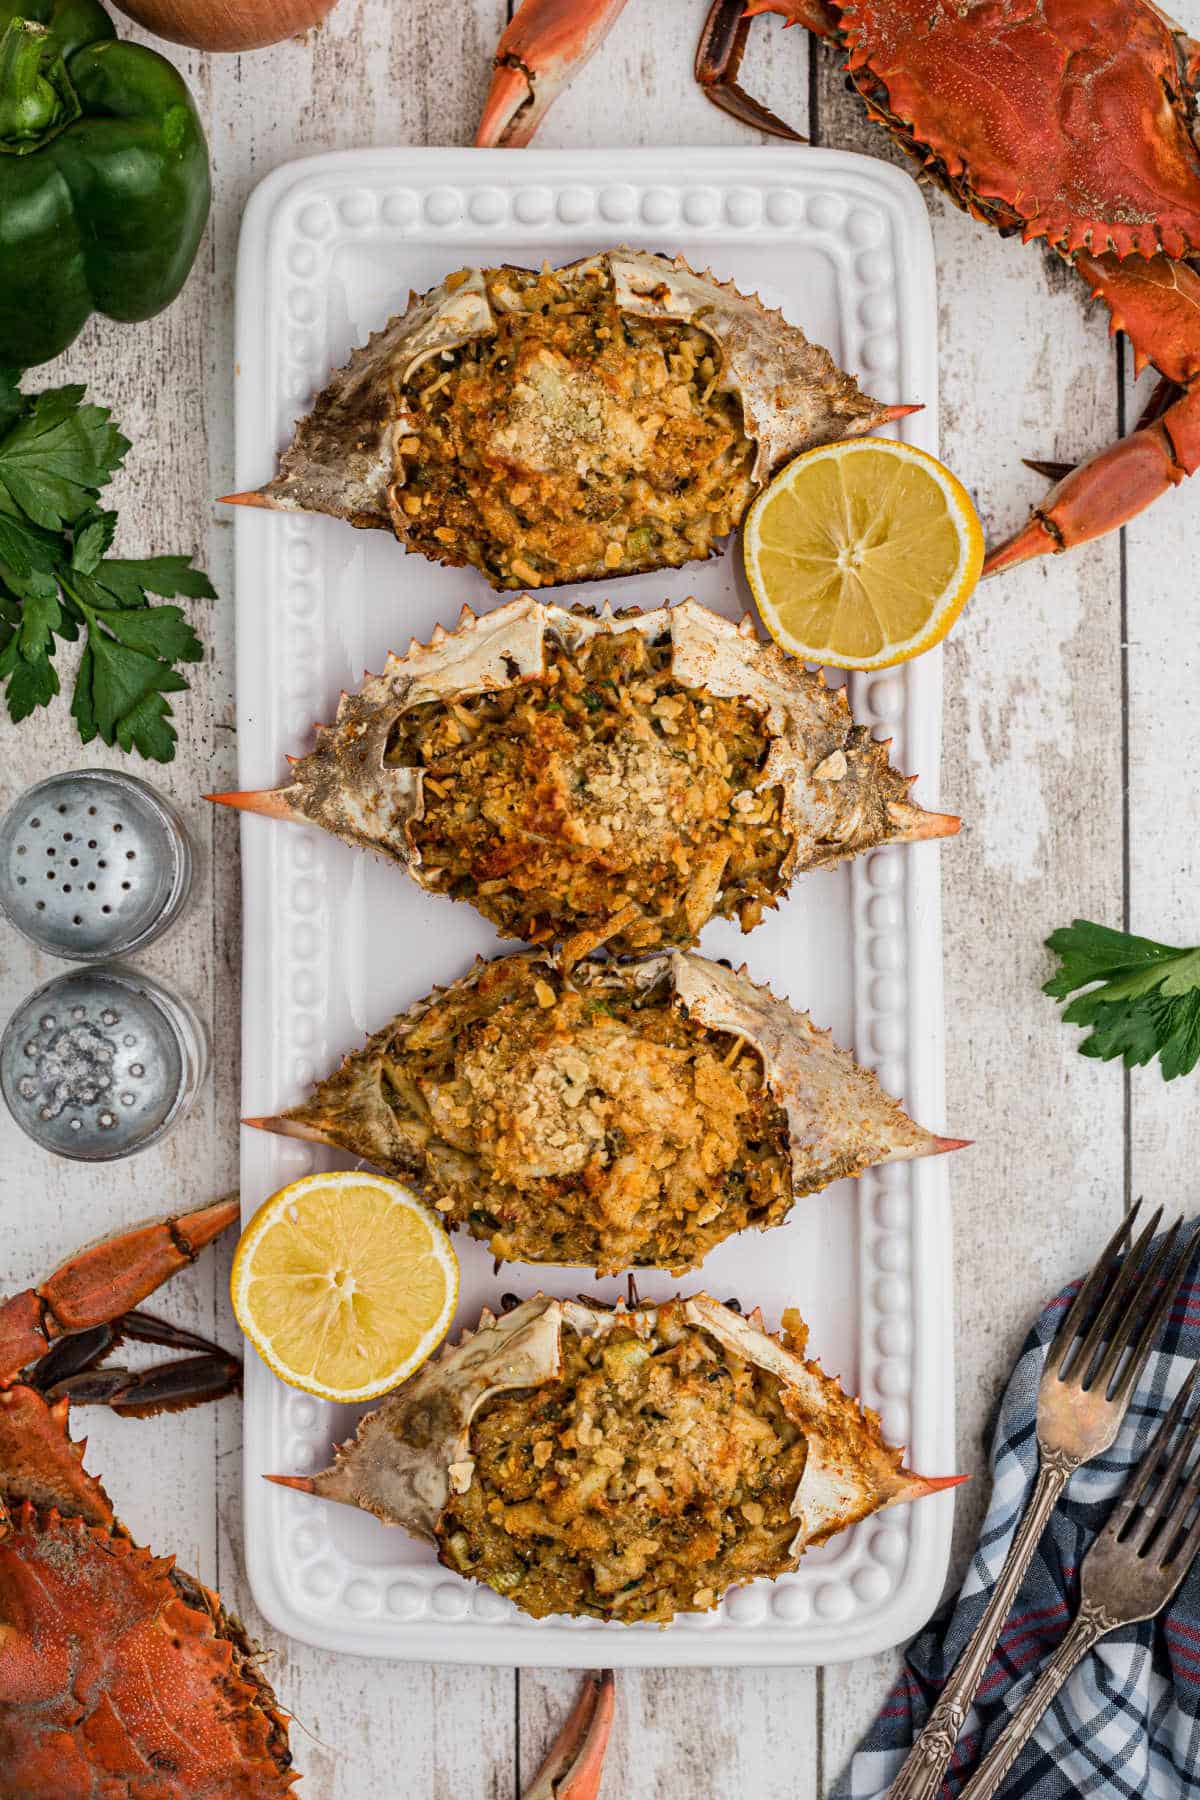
1033 759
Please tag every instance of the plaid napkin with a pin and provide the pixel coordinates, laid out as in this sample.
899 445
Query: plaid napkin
1128 1720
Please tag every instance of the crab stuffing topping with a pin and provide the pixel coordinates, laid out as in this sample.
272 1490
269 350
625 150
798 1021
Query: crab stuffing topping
615 1116
573 442
605 799
657 1470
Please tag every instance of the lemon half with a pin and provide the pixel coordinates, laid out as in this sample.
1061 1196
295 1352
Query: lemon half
862 554
344 1283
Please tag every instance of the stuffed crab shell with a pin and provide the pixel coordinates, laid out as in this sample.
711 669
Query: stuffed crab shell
604 779
614 1116
622 1464
561 425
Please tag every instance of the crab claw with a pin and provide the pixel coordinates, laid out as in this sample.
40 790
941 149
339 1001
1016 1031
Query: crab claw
273 803
575 1761
540 51
104 1281
1156 302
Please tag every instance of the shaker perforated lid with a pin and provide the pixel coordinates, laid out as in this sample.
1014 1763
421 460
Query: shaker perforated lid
100 1062
93 864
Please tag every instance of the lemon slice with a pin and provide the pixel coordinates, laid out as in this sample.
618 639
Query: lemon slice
862 554
344 1283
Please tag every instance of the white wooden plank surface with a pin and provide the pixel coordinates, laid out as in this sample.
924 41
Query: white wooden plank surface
1032 715
1065 681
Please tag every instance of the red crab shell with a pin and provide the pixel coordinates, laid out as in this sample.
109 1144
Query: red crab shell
1067 113
119 1675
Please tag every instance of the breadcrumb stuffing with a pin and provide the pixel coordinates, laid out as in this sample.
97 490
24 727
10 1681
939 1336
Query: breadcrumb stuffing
575 442
654 1473
607 1128
602 803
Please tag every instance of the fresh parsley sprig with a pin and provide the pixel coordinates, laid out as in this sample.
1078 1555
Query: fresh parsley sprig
57 581
1142 999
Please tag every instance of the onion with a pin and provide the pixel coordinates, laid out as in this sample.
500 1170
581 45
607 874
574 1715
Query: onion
225 24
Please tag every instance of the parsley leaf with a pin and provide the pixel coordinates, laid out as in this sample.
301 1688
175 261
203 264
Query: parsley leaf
128 583
57 456
1140 999
57 580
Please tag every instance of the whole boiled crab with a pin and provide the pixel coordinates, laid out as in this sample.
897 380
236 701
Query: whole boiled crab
119 1674
625 1464
608 779
1070 120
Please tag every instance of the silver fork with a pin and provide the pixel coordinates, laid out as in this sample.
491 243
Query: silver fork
1130 1572
1081 1401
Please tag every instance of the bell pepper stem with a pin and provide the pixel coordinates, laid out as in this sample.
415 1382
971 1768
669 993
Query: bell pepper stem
36 96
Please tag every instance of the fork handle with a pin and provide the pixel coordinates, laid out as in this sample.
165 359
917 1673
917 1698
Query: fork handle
1089 1626
925 1768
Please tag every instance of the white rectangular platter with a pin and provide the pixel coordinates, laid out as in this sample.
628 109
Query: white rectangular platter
336 942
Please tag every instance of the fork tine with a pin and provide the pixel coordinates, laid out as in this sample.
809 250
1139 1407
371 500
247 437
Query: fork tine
1150 1466
1123 1332
1158 1313
1174 1522
1114 1300
1152 1456
1065 1336
1186 1554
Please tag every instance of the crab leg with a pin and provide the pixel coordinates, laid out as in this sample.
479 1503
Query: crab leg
542 48
140 1393
1157 303
71 1369
723 44
575 1761
99 1284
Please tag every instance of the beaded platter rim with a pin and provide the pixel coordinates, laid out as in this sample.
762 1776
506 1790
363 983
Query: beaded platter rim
870 222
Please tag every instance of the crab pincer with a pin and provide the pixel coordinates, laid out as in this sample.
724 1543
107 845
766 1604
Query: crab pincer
544 46
575 1761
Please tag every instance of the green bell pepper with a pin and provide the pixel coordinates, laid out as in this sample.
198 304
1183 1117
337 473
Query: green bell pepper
104 181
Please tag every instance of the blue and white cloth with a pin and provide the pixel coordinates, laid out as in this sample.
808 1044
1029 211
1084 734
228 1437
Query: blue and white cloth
1128 1721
